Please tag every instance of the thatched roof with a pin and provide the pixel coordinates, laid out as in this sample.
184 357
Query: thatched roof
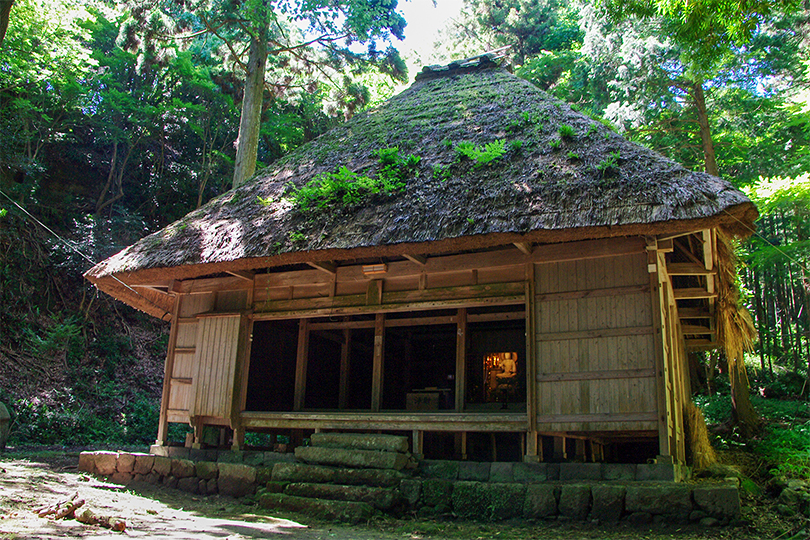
552 184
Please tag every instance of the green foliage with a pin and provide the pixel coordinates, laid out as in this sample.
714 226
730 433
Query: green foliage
566 131
609 164
441 172
349 189
482 155
572 156
555 144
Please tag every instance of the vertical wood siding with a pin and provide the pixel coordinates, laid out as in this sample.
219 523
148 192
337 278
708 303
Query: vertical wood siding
594 345
214 365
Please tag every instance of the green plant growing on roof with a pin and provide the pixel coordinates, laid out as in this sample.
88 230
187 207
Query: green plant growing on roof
265 201
350 188
555 144
565 131
297 237
515 146
440 172
573 156
609 164
592 129
482 155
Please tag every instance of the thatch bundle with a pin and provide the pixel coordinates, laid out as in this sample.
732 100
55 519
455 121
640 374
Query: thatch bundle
697 437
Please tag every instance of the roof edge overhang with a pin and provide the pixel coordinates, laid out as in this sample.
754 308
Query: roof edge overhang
143 289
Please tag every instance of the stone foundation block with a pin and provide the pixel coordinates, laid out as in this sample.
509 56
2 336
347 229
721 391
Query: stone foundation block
206 470
411 491
152 478
530 472
351 512
169 482
211 486
607 502
440 469
489 501
380 498
575 501
143 463
236 480
720 501
121 478
473 471
436 491
501 472
368 477
162 466
666 499
580 471
87 462
619 471
182 468
105 463
190 484
541 501
299 472
659 472
385 443
125 463
352 458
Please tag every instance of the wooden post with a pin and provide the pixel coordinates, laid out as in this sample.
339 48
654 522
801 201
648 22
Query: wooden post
530 362
168 369
377 371
418 444
301 365
660 350
461 357
240 381
344 368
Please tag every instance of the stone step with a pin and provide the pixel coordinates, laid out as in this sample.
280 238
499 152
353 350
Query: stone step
360 441
319 474
346 511
380 498
369 459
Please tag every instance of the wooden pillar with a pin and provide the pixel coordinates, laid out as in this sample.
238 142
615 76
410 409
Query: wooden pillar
344 368
659 348
418 444
301 365
559 448
461 359
530 361
240 382
168 370
377 371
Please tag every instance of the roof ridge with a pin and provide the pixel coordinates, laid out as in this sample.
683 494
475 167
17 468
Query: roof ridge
487 60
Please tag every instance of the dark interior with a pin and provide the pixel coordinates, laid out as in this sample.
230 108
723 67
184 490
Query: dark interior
271 376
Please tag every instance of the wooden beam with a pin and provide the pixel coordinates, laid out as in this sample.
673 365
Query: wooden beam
688 269
588 249
418 259
694 329
686 251
694 313
600 417
345 348
324 266
594 334
377 368
388 421
461 359
247 276
597 375
525 247
301 360
701 344
694 293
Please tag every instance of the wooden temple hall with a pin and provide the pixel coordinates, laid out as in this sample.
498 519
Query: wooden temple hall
538 307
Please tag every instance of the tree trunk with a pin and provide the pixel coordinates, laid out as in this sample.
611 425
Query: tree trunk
742 411
5 15
247 143
710 162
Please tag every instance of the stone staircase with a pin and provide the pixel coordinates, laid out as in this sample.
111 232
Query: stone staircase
341 476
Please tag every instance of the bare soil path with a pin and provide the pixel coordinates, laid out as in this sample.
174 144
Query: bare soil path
154 512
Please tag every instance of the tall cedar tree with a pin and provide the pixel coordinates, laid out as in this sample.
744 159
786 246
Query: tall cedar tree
305 39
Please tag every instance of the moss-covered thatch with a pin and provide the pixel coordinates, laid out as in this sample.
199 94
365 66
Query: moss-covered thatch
553 175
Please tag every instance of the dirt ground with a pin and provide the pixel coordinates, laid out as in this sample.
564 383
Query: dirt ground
153 512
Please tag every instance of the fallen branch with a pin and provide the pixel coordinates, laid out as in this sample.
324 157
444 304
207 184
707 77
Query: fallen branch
63 509
89 518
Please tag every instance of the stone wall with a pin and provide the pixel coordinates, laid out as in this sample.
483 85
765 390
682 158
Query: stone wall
488 491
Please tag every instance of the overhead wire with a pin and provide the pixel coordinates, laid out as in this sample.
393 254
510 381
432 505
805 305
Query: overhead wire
79 252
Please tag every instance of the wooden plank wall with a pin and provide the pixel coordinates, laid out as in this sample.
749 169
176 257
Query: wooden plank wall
183 351
214 366
594 345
